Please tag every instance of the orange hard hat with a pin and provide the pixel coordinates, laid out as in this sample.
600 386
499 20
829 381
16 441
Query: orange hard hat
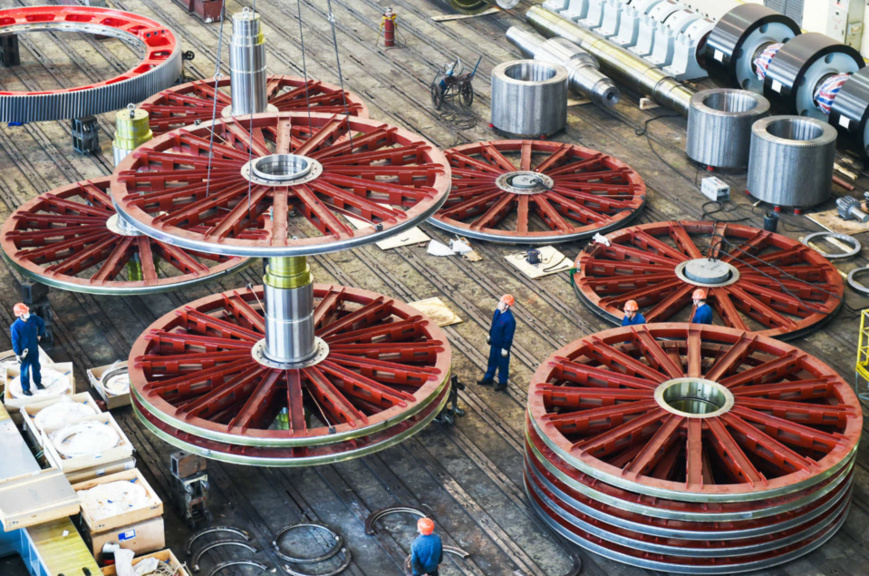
631 306
20 308
699 294
507 299
425 526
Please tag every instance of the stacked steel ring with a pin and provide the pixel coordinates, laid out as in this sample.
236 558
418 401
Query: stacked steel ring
689 448
280 186
755 279
160 66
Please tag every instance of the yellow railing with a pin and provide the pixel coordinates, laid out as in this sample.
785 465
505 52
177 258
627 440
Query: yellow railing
861 369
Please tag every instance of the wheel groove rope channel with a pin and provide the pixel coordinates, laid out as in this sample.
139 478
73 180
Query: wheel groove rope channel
768 282
690 448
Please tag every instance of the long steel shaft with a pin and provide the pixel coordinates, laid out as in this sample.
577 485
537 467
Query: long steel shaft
619 64
289 314
247 57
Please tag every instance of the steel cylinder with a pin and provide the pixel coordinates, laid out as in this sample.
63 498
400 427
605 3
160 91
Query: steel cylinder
719 126
247 57
132 131
583 74
791 161
529 98
289 310
625 68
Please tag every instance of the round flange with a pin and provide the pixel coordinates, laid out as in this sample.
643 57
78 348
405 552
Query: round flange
516 191
282 170
777 286
694 397
383 177
193 102
196 384
160 66
846 238
855 284
72 238
321 352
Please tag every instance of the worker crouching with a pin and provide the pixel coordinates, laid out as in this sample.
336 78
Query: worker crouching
632 314
26 333
500 341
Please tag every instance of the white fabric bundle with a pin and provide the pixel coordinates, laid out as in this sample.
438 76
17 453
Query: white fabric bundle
84 438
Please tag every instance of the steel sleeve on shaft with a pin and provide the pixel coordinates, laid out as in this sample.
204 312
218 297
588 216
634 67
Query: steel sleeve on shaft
529 98
719 126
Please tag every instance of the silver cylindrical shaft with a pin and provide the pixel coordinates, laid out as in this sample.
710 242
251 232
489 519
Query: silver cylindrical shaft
529 98
289 323
617 63
247 58
583 75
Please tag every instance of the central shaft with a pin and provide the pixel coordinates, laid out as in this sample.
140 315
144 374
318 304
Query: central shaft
289 310
247 59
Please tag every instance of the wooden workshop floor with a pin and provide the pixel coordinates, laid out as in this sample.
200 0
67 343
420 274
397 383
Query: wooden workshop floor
469 475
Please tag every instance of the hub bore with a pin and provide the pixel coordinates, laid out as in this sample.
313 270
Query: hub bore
281 170
707 272
694 397
524 182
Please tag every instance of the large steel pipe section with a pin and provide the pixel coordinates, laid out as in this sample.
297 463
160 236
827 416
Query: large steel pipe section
289 313
690 449
619 64
850 112
583 69
719 126
160 66
791 161
529 98
799 67
247 58
738 37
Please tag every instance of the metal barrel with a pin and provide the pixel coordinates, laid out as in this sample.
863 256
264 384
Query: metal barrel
247 56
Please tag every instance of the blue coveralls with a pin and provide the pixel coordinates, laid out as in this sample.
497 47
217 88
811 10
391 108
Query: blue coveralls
25 336
501 336
426 553
638 319
703 315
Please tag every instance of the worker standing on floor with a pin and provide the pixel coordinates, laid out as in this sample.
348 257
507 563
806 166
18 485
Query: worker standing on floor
27 331
702 310
427 551
632 314
500 340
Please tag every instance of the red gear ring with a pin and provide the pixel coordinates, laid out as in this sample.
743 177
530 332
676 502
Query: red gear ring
184 104
499 187
70 238
674 431
160 67
195 382
759 281
382 175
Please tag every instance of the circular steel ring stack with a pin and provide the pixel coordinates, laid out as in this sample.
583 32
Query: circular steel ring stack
719 126
850 112
72 238
738 36
529 98
520 191
185 104
160 67
800 65
690 449
791 161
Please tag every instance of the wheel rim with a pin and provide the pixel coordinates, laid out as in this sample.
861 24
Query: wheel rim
583 192
185 104
383 176
643 263
61 239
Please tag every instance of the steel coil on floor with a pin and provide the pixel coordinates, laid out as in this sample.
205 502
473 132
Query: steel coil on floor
529 98
719 126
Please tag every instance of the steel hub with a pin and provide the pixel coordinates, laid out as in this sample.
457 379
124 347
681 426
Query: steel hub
282 170
321 352
228 113
120 226
694 397
524 182
707 272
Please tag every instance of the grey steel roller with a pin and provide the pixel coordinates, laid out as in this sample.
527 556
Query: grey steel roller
719 126
529 98
850 112
247 57
583 70
159 44
619 64
791 161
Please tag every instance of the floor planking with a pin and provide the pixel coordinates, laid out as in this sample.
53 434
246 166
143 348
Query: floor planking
468 476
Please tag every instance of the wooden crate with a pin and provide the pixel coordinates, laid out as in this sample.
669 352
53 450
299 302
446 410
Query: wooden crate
16 404
32 499
163 556
101 470
154 505
141 538
122 451
31 410
112 401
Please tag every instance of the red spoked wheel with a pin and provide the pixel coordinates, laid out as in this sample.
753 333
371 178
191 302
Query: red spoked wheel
520 191
71 238
185 104
690 449
196 384
755 279
160 66
282 189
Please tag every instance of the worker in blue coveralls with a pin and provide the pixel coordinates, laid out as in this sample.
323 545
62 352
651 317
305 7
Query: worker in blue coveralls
500 340
26 332
632 314
702 310
427 551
